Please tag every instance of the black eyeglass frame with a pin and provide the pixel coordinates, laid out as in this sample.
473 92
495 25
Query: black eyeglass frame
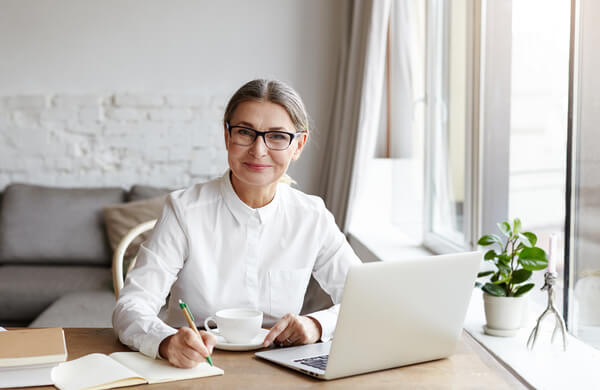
262 134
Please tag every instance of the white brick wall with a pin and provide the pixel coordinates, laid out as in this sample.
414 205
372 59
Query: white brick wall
25 101
137 100
118 139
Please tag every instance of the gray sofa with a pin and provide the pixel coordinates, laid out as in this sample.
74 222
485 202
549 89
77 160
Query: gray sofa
55 259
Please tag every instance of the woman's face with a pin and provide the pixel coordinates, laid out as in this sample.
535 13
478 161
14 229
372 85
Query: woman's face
256 166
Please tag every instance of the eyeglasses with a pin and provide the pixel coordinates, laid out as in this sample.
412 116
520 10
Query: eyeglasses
275 140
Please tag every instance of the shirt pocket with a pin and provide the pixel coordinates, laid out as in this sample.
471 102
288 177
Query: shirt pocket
287 289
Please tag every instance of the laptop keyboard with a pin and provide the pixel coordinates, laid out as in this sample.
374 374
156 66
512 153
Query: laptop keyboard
319 362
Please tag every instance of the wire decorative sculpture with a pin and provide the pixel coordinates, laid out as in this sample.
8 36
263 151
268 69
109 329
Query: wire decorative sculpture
549 282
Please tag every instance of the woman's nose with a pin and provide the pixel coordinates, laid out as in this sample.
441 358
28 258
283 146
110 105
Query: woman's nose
258 148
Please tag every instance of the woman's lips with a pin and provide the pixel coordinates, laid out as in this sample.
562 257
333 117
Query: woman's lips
257 167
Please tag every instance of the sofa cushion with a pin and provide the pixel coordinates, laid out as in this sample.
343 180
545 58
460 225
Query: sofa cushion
55 225
87 309
84 309
121 218
140 192
25 290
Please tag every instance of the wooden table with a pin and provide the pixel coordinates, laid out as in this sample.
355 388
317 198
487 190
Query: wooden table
471 366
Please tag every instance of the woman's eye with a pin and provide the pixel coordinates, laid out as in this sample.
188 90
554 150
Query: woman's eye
278 136
244 132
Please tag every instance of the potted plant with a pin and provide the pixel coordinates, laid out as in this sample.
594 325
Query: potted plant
514 257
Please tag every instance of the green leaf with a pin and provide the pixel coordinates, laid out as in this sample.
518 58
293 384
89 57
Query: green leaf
532 238
494 290
521 275
503 259
502 279
523 289
533 259
490 255
525 240
516 226
478 285
503 268
484 273
489 239
504 227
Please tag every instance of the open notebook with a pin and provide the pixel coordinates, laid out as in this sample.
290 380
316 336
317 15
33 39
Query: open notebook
98 371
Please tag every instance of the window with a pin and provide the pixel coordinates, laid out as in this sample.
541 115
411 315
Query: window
391 197
448 126
493 141
583 266
538 123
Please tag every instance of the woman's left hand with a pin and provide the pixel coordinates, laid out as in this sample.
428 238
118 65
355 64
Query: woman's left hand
294 330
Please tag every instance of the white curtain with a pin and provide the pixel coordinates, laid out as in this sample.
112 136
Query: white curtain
355 118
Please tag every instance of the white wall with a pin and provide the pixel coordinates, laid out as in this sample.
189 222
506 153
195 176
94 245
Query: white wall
157 48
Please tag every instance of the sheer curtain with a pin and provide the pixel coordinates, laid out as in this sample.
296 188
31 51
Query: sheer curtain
355 117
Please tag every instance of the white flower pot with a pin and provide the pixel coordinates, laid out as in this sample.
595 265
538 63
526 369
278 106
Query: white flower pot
503 314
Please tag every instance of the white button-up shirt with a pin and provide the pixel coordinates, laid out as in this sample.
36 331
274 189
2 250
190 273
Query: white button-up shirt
214 252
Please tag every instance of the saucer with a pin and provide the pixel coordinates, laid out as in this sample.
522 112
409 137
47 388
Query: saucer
255 343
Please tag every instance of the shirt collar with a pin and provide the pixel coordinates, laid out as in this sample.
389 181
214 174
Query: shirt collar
240 210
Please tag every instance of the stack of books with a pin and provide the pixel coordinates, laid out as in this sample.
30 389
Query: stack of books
37 357
27 356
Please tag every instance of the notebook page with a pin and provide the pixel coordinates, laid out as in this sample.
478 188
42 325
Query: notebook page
157 371
94 371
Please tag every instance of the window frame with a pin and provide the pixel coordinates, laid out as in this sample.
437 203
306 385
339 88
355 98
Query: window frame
481 191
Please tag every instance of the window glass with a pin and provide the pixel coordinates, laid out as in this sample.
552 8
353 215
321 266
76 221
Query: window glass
447 124
584 291
538 133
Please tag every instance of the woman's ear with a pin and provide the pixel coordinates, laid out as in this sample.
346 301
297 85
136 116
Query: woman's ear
301 142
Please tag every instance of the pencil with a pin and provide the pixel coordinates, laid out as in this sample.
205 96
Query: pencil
190 319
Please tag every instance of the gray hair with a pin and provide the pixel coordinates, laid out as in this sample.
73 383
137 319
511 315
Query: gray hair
274 91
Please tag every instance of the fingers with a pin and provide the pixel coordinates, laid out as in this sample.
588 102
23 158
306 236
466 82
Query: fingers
209 341
289 334
276 330
290 330
185 349
294 330
195 342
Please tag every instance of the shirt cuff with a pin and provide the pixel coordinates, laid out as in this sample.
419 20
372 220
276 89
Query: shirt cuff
151 341
328 320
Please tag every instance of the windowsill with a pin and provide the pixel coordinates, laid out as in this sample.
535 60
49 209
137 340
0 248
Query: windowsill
545 367
385 243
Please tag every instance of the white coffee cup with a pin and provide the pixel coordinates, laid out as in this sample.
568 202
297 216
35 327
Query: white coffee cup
237 326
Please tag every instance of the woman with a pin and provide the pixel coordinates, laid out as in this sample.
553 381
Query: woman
243 240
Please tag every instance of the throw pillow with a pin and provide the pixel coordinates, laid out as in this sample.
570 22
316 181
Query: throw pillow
142 192
121 218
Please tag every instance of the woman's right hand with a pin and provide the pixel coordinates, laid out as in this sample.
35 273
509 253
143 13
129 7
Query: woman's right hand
185 349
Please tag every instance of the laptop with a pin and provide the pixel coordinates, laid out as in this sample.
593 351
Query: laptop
392 314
